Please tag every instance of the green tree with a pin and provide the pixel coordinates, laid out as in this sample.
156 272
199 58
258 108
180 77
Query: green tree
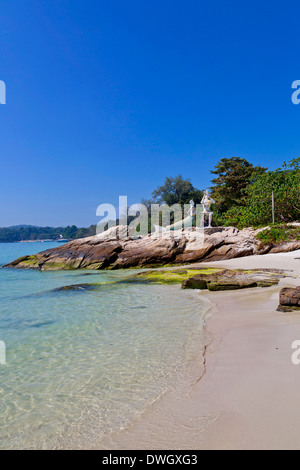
294 164
233 175
176 190
285 183
70 232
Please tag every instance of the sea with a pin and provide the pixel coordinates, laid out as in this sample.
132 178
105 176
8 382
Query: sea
84 362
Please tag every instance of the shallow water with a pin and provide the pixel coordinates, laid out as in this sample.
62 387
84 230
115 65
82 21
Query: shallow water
84 363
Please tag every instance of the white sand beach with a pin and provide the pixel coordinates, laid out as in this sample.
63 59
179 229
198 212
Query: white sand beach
248 397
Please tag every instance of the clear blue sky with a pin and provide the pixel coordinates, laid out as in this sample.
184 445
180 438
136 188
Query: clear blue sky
107 98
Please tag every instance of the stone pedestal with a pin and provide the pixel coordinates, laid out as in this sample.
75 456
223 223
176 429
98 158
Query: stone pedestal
206 216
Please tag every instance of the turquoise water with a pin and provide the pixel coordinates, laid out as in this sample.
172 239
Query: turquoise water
82 364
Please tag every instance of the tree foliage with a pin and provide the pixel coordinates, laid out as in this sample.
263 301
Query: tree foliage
177 190
257 209
233 175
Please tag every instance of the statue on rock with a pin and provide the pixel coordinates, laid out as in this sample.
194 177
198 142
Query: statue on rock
206 215
192 211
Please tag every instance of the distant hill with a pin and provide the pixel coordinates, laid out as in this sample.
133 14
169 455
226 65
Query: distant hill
19 233
19 226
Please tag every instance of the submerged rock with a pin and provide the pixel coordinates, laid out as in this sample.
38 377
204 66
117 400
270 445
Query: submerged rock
74 287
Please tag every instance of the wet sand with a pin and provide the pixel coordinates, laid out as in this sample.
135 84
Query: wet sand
248 395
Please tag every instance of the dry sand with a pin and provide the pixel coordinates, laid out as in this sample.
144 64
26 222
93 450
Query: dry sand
248 397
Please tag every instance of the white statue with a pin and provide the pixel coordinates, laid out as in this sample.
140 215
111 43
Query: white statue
206 202
192 211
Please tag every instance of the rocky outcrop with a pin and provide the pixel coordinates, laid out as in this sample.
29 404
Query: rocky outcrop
213 279
289 299
115 249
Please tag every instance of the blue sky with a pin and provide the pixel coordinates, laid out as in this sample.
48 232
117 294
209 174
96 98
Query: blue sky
108 98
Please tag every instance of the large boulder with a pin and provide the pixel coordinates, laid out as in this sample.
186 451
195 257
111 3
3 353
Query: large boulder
115 249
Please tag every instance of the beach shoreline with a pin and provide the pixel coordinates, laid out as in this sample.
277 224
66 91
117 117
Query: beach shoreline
248 396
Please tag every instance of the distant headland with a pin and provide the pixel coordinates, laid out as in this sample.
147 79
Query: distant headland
32 233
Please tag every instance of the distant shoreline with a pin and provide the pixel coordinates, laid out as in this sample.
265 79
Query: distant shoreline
30 233
39 241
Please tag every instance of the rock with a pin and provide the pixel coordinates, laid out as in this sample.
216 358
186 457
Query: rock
174 276
229 279
285 308
289 299
114 249
75 287
210 278
285 247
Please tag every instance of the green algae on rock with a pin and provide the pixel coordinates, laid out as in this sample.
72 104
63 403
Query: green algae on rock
213 279
174 276
25 262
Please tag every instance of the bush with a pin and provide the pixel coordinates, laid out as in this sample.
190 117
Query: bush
279 233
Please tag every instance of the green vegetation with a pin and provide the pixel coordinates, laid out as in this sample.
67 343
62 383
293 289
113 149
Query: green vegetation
279 233
177 190
29 232
252 205
229 188
243 193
